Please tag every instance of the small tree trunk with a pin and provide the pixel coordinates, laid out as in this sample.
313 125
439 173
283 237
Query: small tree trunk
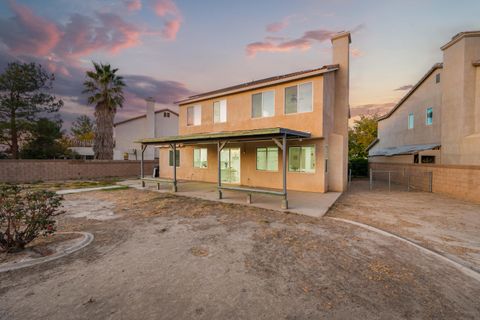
14 134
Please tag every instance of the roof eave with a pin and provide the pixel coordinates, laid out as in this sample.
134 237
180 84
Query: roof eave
230 135
325 69
374 142
409 93
460 36
144 115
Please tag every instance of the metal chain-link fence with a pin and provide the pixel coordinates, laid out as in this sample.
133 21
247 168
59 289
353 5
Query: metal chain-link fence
408 180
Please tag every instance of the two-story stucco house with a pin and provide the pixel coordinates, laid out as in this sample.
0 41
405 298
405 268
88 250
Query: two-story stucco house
155 123
438 120
287 132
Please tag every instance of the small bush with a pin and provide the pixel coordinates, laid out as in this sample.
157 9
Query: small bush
25 215
359 167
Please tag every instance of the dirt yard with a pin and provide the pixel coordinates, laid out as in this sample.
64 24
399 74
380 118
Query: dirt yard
445 225
159 256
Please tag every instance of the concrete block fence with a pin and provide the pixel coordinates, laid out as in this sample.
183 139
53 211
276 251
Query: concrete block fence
462 182
15 171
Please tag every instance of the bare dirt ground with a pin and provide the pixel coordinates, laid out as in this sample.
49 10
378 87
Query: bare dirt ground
445 225
167 257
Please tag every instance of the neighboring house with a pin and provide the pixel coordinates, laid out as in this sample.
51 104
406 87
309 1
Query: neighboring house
438 121
153 124
244 134
82 148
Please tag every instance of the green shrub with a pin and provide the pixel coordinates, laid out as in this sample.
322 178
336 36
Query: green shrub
25 215
359 167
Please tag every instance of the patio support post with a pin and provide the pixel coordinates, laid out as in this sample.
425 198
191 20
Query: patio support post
174 185
142 170
219 149
284 164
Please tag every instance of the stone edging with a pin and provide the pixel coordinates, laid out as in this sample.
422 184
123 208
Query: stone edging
68 191
464 269
87 239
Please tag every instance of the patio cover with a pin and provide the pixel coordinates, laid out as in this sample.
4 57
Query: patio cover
238 135
401 150
277 135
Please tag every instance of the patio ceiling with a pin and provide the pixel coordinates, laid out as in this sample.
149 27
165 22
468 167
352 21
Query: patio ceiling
239 135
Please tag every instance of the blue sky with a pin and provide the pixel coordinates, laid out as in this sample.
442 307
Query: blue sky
169 49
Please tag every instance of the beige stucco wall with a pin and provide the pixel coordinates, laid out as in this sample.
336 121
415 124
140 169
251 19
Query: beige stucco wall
393 131
407 158
460 132
239 112
239 117
249 175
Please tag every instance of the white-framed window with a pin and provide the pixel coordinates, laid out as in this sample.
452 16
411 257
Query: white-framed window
263 104
177 158
220 111
429 116
267 159
411 120
299 98
194 115
200 158
301 159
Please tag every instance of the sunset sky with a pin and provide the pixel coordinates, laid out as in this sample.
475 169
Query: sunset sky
171 49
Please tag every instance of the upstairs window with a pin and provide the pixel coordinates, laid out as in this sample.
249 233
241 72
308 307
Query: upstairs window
177 158
166 114
267 159
411 120
429 118
263 104
194 115
220 111
299 98
437 78
200 158
301 159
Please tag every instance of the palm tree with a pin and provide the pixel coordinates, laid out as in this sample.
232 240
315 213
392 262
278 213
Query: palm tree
106 92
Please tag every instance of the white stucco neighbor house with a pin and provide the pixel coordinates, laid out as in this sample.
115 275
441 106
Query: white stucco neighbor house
153 124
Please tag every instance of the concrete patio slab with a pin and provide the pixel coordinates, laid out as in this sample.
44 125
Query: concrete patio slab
313 204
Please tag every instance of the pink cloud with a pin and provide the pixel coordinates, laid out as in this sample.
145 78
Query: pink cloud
28 33
121 33
133 5
107 31
277 26
303 43
164 8
171 29
357 53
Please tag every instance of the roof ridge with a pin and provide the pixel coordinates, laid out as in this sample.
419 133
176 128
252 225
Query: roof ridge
436 66
242 85
144 115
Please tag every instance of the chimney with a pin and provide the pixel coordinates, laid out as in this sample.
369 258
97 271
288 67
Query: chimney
460 108
337 140
341 56
150 117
